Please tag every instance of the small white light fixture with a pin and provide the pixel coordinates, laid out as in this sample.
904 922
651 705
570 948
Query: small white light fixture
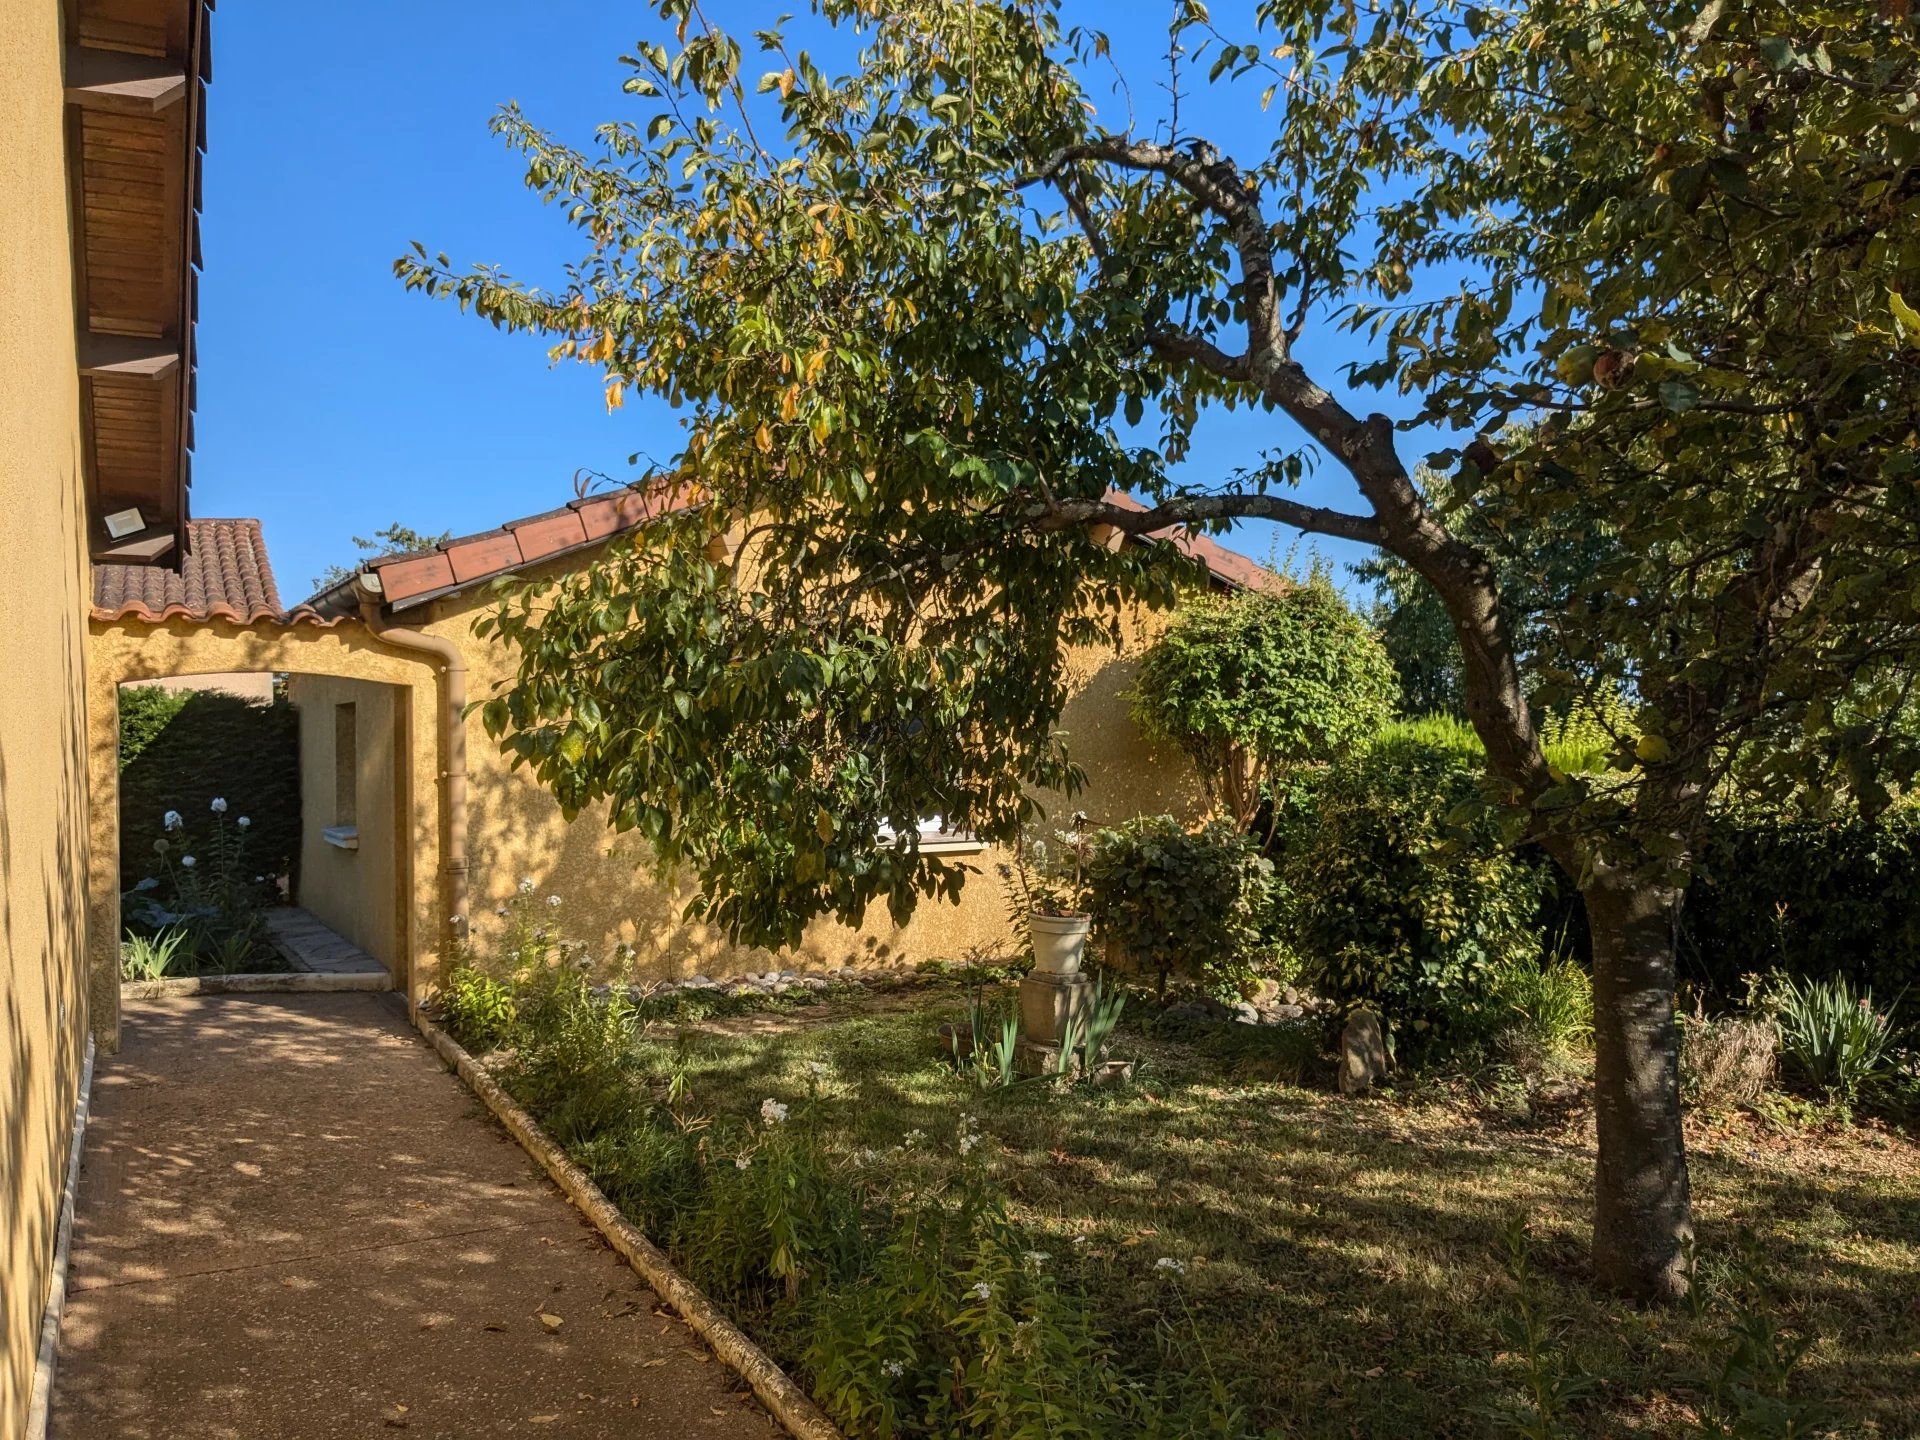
123 523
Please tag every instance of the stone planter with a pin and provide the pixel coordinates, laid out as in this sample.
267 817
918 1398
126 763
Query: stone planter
1059 942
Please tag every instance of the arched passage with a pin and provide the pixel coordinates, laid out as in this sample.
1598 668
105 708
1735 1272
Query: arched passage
341 656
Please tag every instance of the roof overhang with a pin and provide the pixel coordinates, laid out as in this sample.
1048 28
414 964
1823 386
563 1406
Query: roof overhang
136 76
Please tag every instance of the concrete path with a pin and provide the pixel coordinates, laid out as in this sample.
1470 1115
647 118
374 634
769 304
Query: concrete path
293 1223
309 943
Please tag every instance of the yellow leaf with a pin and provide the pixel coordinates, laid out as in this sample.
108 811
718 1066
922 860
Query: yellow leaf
790 402
616 395
823 825
763 439
786 83
1906 319
1652 749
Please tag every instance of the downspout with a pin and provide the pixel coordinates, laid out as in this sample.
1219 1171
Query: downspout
452 670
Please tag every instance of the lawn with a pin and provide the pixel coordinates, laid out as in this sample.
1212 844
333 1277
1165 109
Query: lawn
1342 1265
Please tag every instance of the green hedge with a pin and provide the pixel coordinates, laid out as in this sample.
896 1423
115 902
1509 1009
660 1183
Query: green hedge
177 752
1814 899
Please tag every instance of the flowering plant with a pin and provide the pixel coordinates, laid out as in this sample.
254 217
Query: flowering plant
1048 871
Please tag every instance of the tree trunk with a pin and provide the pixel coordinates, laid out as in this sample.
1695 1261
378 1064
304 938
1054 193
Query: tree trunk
1643 1217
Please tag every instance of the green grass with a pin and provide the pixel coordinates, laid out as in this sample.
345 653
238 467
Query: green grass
1345 1272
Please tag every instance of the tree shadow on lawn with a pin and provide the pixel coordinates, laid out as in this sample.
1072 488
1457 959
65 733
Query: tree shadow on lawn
1344 1270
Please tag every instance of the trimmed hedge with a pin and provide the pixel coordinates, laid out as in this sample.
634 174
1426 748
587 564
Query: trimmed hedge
1814 899
211 744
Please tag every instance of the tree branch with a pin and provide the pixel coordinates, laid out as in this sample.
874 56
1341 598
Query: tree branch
1055 515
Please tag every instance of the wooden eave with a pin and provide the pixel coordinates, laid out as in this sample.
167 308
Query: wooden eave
136 77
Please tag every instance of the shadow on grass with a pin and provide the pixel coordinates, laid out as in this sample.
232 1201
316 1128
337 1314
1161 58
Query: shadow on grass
1343 1265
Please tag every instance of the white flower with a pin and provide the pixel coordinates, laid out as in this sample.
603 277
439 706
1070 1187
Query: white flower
772 1111
1037 1258
817 1069
865 1157
261 880
172 820
526 884
895 1368
187 862
967 1142
1079 1241
982 1291
219 806
1167 1262
912 1138
243 822
741 1162
553 901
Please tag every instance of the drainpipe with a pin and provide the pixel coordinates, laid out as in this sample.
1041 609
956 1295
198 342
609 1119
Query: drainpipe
453 741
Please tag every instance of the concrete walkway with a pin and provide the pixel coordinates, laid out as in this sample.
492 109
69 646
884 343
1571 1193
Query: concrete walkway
310 944
293 1223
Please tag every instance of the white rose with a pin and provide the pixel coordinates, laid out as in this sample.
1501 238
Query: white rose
187 862
243 822
219 806
172 820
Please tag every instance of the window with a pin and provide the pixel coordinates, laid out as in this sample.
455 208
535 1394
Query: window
935 838
346 767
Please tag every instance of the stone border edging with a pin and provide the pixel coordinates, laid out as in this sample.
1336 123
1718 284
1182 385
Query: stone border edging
46 1361
291 983
777 1390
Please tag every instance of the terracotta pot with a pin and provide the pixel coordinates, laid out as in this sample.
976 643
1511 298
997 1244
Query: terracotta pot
1059 942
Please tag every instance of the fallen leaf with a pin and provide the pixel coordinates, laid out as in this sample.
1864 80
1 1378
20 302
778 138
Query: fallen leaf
493 1325
1376 1372
551 1321
396 1417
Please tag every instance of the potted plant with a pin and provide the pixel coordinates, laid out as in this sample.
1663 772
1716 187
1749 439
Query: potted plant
1050 877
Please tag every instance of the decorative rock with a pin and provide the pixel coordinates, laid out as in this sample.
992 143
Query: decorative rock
1265 992
1363 1053
1289 1011
1290 995
1246 1014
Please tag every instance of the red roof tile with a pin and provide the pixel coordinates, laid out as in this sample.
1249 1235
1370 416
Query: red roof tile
409 579
223 576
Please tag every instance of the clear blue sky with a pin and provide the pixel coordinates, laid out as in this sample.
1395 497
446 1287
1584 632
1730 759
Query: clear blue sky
332 402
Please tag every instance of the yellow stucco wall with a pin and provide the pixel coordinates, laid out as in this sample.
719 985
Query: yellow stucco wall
611 898
126 650
357 892
43 588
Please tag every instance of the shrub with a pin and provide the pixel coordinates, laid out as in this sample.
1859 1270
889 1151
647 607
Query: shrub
477 1009
1550 1002
1831 1037
1726 1060
1263 681
149 957
1394 908
1808 898
180 752
1173 901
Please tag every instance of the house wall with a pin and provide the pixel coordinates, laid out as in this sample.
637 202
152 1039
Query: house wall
258 686
43 590
610 896
357 892
132 650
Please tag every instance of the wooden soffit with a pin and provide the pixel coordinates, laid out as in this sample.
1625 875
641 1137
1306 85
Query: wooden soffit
136 78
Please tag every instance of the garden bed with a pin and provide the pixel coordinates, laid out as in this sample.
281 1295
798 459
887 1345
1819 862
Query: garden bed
1328 1267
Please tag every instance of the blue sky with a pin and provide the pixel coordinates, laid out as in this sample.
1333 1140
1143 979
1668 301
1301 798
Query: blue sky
332 402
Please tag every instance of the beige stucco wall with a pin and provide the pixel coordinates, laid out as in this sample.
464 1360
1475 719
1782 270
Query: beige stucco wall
256 686
610 896
43 589
128 650
357 892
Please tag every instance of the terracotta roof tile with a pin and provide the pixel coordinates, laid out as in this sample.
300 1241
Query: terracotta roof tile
223 576
411 579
